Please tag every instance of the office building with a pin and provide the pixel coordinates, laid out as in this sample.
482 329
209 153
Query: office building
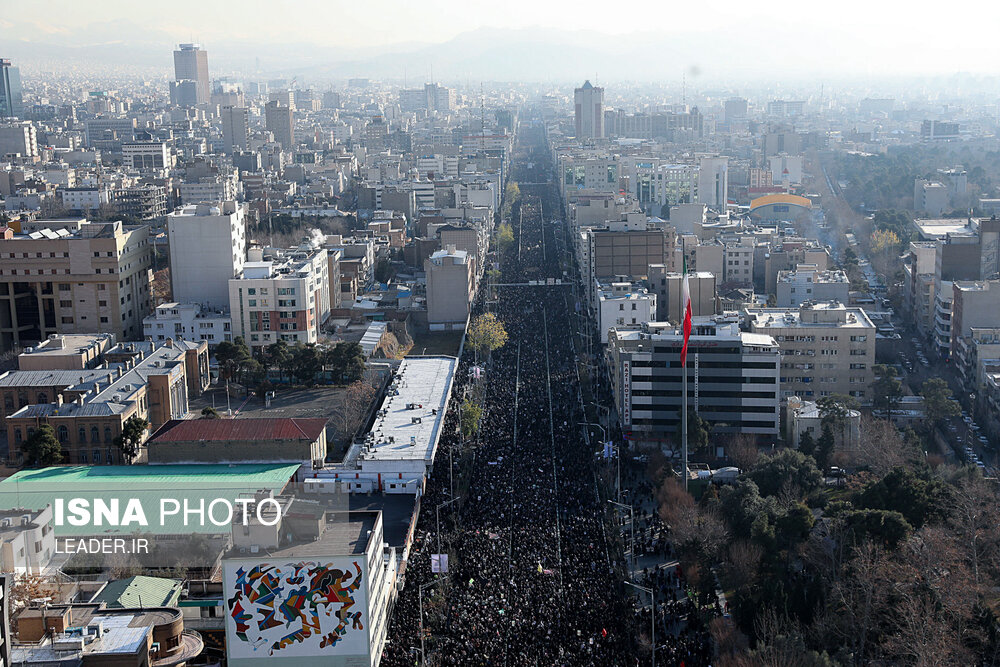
451 287
140 202
732 379
279 121
713 182
207 250
826 348
281 295
235 129
668 286
146 155
74 277
191 64
18 139
808 283
114 130
589 111
975 304
11 94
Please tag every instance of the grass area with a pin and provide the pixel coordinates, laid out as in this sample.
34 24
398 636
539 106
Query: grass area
436 342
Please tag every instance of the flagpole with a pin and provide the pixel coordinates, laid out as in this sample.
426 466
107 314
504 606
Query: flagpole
684 423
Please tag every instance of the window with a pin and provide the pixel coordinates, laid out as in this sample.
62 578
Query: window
251 290
82 435
83 457
17 435
97 456
63 434
42 397
104 320
95 434
65 304
64 287
107 434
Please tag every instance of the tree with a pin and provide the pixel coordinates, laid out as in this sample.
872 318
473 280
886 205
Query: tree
131 438
505 237
825 446
383 270
486 333
208 412
881 447
354 407
806 444
42 448
794 525
279 356
786 467
918 498
698 432
835 409
231 356
938 403
471 414
306 362
346 361
887 390
882 527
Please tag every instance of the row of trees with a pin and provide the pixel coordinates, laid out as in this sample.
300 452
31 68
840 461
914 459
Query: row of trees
301 362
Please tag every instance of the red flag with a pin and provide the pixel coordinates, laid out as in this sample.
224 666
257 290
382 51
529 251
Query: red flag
686 305
604 632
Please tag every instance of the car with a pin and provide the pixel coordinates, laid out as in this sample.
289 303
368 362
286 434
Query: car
983 439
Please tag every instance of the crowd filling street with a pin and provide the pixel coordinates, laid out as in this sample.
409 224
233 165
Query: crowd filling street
536 573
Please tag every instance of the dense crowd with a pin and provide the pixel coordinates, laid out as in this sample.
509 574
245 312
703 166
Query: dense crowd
534 579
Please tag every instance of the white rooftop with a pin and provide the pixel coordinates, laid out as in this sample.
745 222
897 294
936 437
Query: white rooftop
405 434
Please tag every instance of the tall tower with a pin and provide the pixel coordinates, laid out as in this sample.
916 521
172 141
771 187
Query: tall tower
235 128
191 64
278 119
589 111
11 98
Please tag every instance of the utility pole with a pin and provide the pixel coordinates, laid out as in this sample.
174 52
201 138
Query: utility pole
631 523
652 625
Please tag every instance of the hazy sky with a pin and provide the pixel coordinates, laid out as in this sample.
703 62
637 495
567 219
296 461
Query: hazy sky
913 36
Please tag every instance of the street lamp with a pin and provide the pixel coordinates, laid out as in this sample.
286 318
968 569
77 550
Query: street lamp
618 455
420 596
437 511
631 523
652 613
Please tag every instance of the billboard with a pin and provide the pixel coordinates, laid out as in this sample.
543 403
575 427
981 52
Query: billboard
278 610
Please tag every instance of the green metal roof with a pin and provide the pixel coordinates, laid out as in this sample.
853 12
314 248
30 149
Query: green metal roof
140 591
33 489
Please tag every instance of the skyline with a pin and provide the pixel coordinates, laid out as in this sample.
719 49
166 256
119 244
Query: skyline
505 42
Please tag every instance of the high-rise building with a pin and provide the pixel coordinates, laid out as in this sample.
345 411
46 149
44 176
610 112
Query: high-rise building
589 111
207 250
235 129
11 96
191 64
278 120
451 287
713 182
735 109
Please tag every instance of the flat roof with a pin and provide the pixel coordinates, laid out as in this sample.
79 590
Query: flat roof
783 318
425 384
935 228
193 482
341 536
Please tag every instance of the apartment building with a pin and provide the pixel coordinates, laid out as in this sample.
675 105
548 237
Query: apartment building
451 287
732 376
188 321
74 277
788 254
622 305
281 295
826 348
207 250
738 263
146 155
975 304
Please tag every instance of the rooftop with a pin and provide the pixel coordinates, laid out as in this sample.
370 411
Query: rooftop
217 430
830 314
936 228
37 488
140 591
341 536
406 427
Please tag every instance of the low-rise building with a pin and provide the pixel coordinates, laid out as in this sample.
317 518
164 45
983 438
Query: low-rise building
826 348
188 321
669 286
27 541
278 440
623 305
808 283
803 417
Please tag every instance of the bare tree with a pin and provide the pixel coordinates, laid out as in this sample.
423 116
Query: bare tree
881 446
742 450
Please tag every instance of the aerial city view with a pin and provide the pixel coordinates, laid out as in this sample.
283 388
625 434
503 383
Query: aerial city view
441 334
